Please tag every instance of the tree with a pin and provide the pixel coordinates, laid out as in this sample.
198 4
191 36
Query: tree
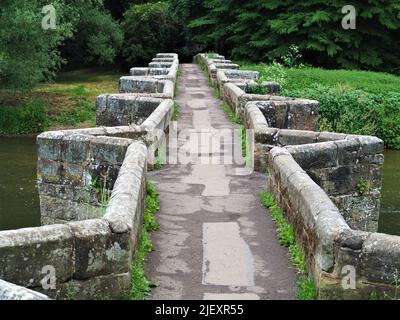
262 30
97 37
28 54
148 29
84 32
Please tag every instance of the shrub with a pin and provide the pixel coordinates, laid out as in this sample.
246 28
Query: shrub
356 111
31 117
275 72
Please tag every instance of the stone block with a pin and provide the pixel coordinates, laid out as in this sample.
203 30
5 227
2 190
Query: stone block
109 151
50 171
25 252
272 87
106 287
380 258
296 137
96 253
56 208
12 292
76 148
361 212
302 115
50 145
331 136
348 152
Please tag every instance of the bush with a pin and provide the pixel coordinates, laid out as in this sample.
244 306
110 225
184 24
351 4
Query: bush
355 102
97 38
356 111
31 117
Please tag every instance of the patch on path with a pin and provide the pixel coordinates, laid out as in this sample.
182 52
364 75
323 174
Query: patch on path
227 259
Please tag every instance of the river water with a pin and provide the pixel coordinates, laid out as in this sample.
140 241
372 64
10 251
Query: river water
19 203
390 200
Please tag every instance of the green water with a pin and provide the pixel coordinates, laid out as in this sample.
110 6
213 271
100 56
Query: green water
19 201
390 201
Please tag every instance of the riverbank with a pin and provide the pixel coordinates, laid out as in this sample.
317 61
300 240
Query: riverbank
67 103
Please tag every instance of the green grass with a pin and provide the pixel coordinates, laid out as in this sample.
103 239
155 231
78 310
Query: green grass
213 87
176 112
67 103
141 286
231 115
372 82
30 117
354 102
306 288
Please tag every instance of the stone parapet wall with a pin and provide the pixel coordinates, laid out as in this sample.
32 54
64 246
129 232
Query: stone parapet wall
331 247
241 78
9 291
164 67
281 112
328 185
92 188
72 168
147 86
338 163
88 257
125 109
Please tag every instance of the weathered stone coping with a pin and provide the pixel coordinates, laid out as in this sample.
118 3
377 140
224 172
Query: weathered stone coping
238 98
147 86
100 250
156 73
9 291
242 78
167 55
161 68
212 65
127 109
167 63
327 240
162 64
90 251
169 60
255 119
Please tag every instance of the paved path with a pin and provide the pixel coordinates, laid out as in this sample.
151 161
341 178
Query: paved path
215 241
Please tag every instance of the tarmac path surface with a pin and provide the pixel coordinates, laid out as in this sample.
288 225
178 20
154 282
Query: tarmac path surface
215 241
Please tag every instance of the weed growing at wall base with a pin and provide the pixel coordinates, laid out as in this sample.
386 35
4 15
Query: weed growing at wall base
306 287
176 112
31 117
141 286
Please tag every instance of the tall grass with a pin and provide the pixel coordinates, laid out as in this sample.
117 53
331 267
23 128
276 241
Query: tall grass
30 117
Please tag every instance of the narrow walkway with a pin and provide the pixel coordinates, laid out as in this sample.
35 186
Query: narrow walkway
216 240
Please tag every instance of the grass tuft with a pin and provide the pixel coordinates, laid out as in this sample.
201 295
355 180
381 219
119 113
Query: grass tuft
286 234
141 286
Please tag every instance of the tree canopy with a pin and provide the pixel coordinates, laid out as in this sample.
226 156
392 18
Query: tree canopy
92 32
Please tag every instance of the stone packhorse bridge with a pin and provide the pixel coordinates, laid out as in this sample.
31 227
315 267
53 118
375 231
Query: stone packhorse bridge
215 241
